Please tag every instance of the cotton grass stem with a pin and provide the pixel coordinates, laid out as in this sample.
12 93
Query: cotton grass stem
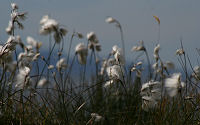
70 45
149 64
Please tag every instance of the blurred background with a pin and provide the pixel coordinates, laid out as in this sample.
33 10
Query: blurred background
179 20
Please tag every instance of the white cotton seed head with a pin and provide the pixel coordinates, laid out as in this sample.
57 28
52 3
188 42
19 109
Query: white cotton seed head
44 19
110 20
103 67
25 71
119 57
42 82
91 36
155 66
173 84
31 41
96 117
36 56
139 47
48 25
81 52
156 51
196 69
115 72
10 28
22 78
14 15
151 94
11 43
50 67
29 48
133 69
151 85
180 52
14 6
114 49
61 64
148 103
173 81
25 58
20 56
157 48
139 63
80 47
108 83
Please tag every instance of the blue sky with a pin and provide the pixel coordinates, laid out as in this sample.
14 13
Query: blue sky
179 18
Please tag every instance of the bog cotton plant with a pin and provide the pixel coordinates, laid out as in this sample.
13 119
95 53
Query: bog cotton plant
156 52
180 52
15 18
23 78
42 82
31 41
118 55
135 69
10 45
96 117
174 85
50 66
6 60
61 64
27 57
93 42
49 26
115 73
106 63
6 56
81 51
111 20
151 94
14 6
91 36
104 66
156 65
140 47
6 51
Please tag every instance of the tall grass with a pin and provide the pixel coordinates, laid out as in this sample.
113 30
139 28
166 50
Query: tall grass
35 89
